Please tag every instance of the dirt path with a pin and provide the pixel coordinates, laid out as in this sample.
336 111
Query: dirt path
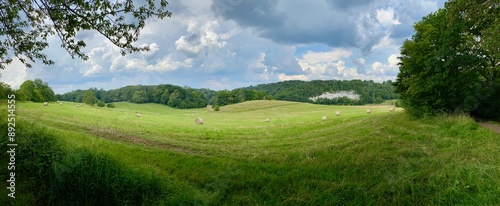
494 127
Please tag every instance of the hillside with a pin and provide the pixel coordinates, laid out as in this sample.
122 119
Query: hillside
302 91
365 92
236 157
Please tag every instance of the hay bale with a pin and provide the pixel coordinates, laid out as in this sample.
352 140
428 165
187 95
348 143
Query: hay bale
45 104
209 108
369 111
138 114
337 113
268 120
392 109
325 118
198 121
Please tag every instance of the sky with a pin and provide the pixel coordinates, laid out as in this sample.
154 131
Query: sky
227 44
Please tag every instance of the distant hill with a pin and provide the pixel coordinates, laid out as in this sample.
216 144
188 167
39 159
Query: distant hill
302 91
353 92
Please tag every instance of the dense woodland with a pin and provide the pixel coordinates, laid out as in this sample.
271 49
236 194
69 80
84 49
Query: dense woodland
186 97
171 95
301 91
452 62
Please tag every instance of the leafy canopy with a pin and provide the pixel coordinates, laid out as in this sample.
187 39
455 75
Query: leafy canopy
25 25
36 91
451 64
89 98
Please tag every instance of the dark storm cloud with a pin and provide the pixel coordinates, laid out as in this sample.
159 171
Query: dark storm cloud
302 22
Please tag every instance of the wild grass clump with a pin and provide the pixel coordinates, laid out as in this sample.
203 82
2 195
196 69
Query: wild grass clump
86 178
49 174
36 153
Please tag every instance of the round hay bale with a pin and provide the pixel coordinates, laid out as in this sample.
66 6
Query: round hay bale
138 114
209 108
198 121
325 118
337 113
45 104
392 109
369 111
268 120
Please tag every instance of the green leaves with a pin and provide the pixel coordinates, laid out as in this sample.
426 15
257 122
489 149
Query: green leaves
26 24
446 65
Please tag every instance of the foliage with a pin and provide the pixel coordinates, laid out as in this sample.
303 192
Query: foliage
451 64
36 91
101 104
110 105
225 97
27 25
301 91
171 95
89 98
216 108
5 90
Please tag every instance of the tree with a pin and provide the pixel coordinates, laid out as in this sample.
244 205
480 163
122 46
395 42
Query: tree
36 91
5 90
89 98
27 24
139 97
449 65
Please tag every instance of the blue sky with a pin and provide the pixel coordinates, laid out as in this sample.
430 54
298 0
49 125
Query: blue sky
226 44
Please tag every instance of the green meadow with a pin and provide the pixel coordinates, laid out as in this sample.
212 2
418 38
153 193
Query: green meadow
94 156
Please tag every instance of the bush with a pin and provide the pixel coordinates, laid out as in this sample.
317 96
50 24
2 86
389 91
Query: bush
100 104
216 108
110 105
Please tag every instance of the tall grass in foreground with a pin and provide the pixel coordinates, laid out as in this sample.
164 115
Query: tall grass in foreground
49 174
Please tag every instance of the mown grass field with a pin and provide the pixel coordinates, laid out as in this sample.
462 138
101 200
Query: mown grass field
237 158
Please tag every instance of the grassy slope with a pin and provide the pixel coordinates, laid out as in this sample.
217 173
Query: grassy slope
237 158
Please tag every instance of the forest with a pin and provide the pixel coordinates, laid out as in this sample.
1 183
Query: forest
186 97
171 95
300 91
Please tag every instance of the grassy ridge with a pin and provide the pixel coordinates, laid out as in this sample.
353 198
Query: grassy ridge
238 158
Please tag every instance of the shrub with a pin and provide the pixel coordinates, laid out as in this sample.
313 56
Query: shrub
216 108
100 104
110 105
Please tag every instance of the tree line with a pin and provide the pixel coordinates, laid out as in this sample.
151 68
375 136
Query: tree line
186 97
452 62
171 95
30 90
301 91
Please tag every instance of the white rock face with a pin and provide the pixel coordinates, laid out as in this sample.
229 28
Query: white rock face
328 95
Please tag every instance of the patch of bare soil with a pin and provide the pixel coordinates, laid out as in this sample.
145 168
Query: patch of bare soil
493 127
